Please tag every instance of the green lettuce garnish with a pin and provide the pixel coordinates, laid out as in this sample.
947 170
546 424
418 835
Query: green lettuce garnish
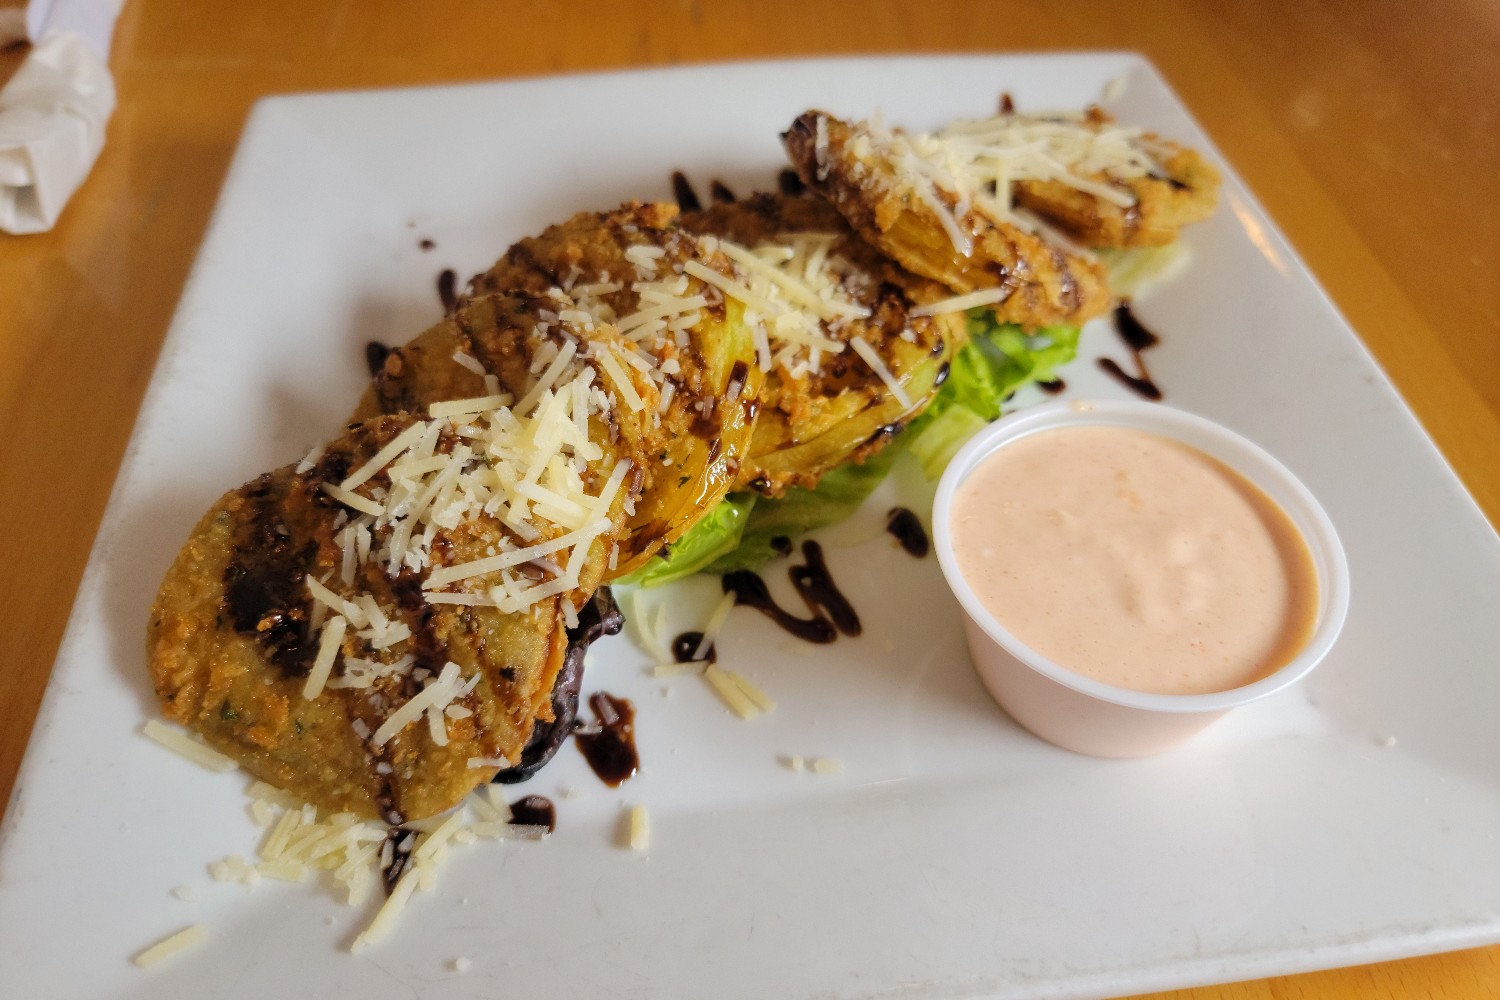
998 360
799 511
739 533
939 439
1133 271
717 535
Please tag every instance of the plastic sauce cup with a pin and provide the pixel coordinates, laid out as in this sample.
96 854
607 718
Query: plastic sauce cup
1081 713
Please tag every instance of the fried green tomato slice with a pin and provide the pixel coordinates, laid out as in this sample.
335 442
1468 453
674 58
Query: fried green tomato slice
380 629
679 468
814 418
1181 188
636 268
516 339
231 643
879 185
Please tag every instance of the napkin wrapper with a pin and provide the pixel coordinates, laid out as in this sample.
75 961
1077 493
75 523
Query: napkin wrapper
52 118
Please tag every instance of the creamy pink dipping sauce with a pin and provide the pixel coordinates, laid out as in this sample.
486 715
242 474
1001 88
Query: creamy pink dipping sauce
1136 560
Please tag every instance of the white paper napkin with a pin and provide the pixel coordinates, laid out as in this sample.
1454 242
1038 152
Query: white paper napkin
53 111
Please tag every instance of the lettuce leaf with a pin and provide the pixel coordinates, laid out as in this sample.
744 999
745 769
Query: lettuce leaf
716 535
941 437
1133 271
836 496
997 360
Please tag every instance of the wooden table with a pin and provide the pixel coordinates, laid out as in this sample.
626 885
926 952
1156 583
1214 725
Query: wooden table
1369 132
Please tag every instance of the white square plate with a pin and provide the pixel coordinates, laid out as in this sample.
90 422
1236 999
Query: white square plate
956 856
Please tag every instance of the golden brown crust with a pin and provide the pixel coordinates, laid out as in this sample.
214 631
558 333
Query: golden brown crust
503 333
499 332
695 447
1046 285
589 246
1185 191
229 646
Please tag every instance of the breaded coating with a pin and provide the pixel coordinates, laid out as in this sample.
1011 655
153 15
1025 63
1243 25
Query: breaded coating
626 266
814 420
230 644
514 337
880 187
590 248
1183 188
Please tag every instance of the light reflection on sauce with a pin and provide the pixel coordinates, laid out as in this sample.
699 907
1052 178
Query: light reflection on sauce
1135 560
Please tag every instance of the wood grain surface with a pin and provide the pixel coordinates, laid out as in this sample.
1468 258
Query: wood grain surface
1368 130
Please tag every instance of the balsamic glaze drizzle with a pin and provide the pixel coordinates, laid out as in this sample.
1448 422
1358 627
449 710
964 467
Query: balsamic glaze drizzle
447 289
598 618
907 529
263 596
534 810
402 841
831 611
375 355
1136 337
818 591
609 745
687 198
750 590
686 644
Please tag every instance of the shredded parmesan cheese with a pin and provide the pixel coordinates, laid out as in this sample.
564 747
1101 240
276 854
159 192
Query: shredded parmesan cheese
352 852
610 361
872 359
737 692
974 164
715 622
470 362
439 693
381 458
463 407
756 696
960 303
353 500
164 949
385 919
729 692
640 828
488 762
676 669
187 746
794 298
482 567
310 460
328 649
